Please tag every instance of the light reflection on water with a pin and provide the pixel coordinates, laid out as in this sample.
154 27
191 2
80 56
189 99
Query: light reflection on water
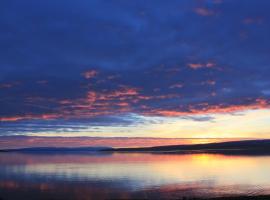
85 176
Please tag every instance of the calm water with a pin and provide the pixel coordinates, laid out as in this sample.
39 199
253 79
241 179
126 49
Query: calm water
105 176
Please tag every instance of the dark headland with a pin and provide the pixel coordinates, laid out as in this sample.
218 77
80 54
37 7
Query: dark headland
247 147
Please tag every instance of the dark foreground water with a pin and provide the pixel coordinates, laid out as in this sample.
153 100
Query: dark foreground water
131 175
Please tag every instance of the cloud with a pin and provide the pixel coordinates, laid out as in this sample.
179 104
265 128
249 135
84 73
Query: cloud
167 61
9 85
209 82
204 11
90 74
177 85
255 20
200 65
29 117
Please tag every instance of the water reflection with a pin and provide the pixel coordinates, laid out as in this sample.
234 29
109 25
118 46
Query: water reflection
86 176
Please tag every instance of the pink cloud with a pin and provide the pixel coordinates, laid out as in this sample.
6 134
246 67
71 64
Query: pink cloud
9 85
254 20
6 85
201 65
178 85
85 108
65 101
90 74
210 109
30 117
204 11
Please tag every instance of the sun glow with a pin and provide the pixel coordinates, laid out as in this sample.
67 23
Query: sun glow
246 124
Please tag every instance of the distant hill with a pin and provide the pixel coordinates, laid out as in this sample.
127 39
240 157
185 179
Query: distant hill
57 149
234 147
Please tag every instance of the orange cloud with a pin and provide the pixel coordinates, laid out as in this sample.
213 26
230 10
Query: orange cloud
211 109
85 109
30 117
201 65
125 99
65 101
11 119
257 104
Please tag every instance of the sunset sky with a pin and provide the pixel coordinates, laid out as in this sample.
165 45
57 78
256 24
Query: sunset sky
170 69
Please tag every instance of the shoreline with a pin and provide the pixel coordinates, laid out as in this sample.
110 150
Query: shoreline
245 147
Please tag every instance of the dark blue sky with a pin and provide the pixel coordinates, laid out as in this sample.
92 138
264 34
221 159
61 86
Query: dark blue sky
111 63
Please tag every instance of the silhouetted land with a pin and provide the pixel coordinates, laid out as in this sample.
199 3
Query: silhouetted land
249 147
56 150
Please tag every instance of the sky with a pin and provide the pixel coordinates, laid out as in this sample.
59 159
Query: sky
157 68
